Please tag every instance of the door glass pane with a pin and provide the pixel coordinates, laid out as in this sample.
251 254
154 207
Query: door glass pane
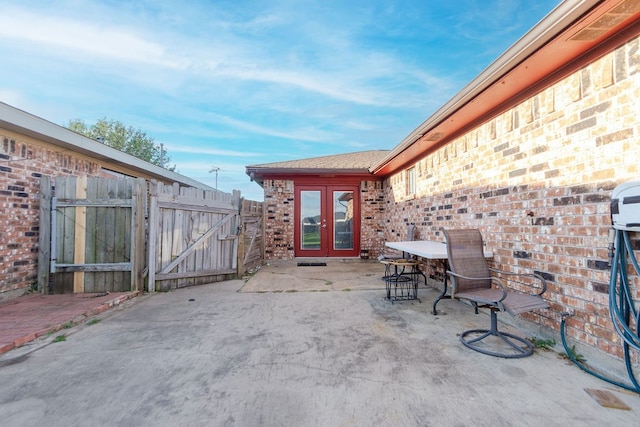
343 220
310 220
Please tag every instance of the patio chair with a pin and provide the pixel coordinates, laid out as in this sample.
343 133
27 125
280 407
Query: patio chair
411 234
472 280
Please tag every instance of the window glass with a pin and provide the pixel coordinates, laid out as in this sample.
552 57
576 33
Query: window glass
411 181
343 220
310 220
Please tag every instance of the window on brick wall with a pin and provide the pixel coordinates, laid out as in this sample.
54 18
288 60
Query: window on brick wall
411 181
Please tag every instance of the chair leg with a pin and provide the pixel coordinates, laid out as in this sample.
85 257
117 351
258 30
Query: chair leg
520 346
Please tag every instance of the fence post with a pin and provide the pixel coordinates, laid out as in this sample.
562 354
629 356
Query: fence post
44 235
153 234
242 230
138 202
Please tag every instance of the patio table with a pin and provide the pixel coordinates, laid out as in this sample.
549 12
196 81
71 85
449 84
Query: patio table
432 250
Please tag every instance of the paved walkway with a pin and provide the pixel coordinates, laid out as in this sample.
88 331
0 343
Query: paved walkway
293 345
213 356
25 318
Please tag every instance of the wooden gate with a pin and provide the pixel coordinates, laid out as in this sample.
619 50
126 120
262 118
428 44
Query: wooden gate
193 236
92 238
251 244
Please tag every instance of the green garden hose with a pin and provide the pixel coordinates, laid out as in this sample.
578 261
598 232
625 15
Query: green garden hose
621 306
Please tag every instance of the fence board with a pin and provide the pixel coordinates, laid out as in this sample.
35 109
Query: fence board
92 244
110 239
199 221
100 190
153 241
138 210
66 232
80 233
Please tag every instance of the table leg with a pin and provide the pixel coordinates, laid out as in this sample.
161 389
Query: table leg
443 295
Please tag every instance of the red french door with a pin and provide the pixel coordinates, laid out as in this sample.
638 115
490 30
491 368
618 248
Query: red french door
327 221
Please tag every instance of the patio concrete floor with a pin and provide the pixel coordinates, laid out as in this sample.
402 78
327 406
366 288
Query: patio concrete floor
303 346
338 275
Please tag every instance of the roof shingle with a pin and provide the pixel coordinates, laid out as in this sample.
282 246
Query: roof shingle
358 160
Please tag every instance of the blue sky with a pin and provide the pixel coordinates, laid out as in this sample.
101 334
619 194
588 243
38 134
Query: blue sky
232 83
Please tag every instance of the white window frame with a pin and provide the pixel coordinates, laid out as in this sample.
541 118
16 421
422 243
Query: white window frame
410 175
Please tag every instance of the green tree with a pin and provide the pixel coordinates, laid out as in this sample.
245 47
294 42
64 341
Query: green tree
124 138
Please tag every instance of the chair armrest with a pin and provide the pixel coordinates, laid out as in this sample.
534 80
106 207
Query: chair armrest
494 280
543 282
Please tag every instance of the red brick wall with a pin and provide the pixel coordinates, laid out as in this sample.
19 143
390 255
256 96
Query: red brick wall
279 223
22 163
279 218
537 181
372 233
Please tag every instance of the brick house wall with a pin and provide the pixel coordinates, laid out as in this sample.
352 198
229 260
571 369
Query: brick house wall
372 234
537 181
279 198
22 163
278 219
23 160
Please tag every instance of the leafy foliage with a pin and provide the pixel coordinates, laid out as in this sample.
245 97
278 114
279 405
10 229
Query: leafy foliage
124 138
577 356
542 343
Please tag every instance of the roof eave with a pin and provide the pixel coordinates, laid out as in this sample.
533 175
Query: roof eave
556 22
24 123
257 174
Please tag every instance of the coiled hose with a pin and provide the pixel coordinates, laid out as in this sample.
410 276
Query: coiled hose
621 306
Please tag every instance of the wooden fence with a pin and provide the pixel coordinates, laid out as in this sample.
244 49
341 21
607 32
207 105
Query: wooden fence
109 235
193 236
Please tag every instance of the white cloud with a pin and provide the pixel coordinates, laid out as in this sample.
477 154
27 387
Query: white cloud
172 148
300 134
79 37
345 73
255 82
327 85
